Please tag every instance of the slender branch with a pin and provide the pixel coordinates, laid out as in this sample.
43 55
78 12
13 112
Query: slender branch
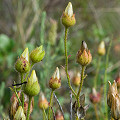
59 105
51 99
53 114
28 111
43 114
70 105
66 62
105 80
23 101
81 83
17 96
22 92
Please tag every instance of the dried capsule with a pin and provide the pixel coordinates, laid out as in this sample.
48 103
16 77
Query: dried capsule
112 90
115 107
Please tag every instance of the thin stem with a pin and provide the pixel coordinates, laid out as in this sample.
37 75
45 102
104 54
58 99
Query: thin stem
23 101
54 118
59 105
22 91
70 105
17 96
76 89
105 80
28 111
81 83
51 99
43 114
97 72
96 113
66 61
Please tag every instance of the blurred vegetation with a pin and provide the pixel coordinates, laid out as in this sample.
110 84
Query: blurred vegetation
30 23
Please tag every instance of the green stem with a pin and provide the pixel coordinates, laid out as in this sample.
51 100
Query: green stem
105 80
96 111
43 114
17 96
51 99
22 91
28 111
81 83
23 101
97 72
66 61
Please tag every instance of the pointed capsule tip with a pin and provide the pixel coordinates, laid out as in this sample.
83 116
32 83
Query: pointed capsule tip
33 76
69 10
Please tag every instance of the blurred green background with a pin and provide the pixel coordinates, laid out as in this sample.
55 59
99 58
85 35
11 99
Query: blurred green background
30 23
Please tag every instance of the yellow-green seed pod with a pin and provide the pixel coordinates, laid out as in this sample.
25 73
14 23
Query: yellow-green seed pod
32 87
37 54
55 81
68 18
84 56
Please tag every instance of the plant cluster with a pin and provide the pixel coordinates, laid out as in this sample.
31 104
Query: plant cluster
22 100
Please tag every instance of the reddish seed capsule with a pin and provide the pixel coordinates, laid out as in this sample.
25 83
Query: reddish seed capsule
95 96
43 103
76 79
59 115
118 80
